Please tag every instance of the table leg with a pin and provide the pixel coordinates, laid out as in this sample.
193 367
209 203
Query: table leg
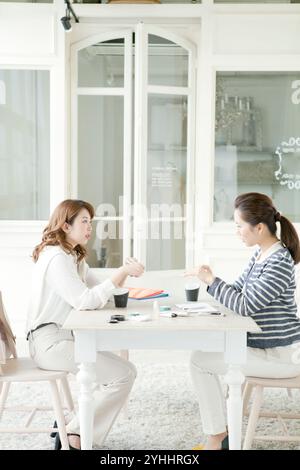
86 378
234 379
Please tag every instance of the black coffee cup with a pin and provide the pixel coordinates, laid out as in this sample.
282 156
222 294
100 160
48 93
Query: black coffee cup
121 298
192 292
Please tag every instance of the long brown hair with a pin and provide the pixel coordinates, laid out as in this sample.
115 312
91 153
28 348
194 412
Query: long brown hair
258 208
53 234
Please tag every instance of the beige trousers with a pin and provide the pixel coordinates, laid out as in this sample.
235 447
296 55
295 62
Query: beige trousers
53 348
205 368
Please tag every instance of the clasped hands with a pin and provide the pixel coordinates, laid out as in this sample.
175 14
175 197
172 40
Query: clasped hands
133 268
203 272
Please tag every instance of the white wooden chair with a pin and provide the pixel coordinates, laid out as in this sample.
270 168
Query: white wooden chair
14 369
256 386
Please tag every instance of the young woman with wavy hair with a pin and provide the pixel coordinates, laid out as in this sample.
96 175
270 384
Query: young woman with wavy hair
62 281
266 292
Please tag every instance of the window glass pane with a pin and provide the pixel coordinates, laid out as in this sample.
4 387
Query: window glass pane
257 140
168 62
102 64
105 248
165 246
100 151
166 180
167 151
24 144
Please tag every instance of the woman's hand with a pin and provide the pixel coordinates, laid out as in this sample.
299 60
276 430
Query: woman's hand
204 273
133 268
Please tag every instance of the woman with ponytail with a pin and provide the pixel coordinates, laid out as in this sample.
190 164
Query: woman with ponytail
266 292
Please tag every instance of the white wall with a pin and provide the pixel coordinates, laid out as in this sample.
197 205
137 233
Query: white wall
27 30
257 34
247 37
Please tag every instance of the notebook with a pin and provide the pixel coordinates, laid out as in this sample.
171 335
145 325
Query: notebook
199 308
158 296
143 293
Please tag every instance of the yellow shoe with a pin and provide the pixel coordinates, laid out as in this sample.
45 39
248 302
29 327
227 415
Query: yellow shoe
198 447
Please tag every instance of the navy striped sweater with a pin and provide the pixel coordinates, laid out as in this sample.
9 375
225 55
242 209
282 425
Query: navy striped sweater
265 292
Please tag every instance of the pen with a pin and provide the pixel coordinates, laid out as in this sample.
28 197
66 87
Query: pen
168 314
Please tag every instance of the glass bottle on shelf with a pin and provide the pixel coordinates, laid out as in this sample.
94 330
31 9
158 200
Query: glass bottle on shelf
248 124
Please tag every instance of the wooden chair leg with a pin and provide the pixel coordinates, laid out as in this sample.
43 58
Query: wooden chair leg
3 396
124 353
253 417
66 393
246 396
59 415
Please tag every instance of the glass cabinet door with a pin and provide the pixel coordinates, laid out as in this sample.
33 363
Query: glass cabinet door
112 148
102 142
164 156
257 140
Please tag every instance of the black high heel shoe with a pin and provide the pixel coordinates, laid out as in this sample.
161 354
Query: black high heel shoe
54 433
57 442
225 443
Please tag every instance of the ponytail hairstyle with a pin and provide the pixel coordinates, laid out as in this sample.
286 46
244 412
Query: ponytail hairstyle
258 208
54 235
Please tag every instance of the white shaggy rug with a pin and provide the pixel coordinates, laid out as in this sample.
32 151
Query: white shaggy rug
162 413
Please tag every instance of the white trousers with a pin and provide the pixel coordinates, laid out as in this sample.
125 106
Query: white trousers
205 369
53 348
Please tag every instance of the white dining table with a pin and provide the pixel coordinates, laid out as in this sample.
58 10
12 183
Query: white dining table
226 333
